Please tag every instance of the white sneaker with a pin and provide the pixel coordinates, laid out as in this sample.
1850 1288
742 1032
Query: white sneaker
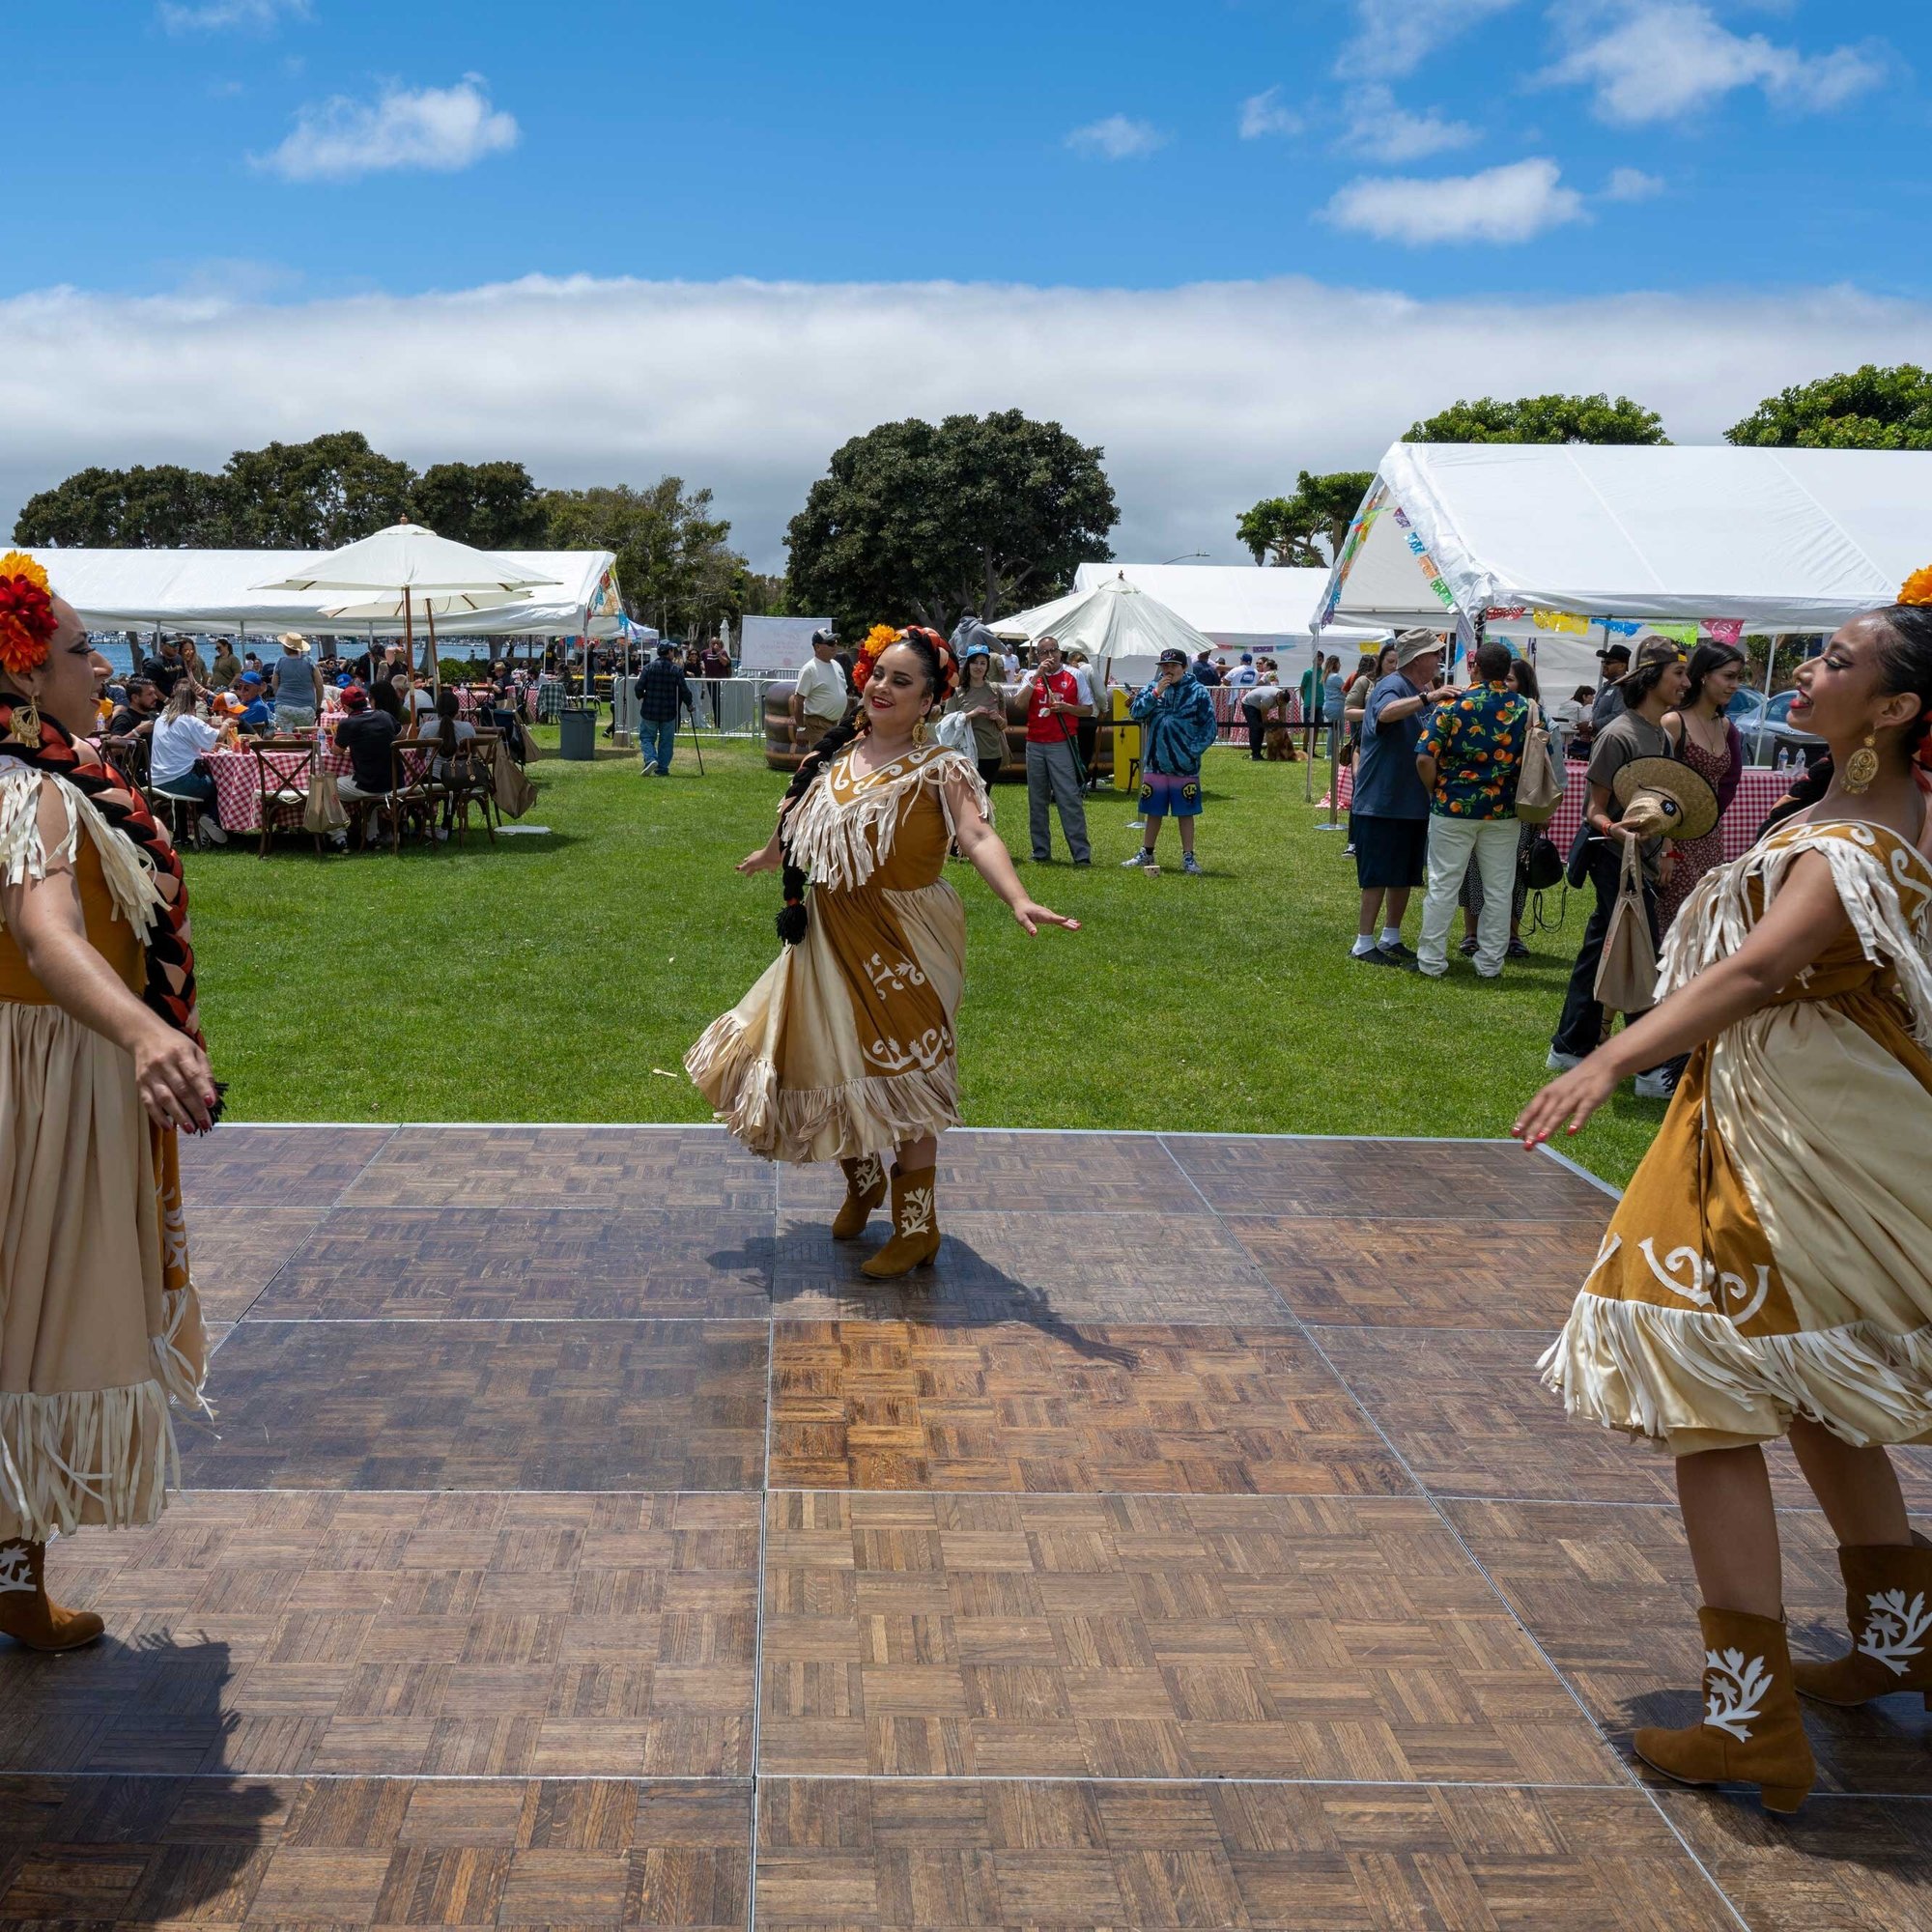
211 834
650 769
1141 857
1562 1062
1659 1084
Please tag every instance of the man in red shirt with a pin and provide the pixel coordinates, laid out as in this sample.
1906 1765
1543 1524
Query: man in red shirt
1053 770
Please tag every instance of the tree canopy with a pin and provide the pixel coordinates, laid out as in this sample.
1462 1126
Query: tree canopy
285 495
1870 408
1292 529
674 567
1541 419
922 524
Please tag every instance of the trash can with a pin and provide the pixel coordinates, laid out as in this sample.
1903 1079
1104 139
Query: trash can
577 733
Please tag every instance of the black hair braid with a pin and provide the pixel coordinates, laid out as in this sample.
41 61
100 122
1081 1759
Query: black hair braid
791 916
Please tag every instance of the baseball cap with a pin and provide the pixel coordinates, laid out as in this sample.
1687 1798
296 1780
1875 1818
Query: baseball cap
824 637
1658 650
1172 655
253 677
355 698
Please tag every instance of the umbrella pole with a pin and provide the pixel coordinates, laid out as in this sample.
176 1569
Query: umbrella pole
435 663
409 629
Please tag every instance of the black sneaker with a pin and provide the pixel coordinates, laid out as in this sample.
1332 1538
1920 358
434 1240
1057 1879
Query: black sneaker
1397 955
1374 956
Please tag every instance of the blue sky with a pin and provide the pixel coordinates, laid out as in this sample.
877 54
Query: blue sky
226 180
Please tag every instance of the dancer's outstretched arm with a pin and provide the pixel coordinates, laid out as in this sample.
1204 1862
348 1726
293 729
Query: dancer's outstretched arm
990 859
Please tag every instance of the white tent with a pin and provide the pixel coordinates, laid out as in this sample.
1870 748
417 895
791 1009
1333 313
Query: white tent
213 590
1561 538
1117 624
1238 607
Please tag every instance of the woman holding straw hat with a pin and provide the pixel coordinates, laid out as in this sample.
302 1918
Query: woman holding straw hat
1769 1272
102 1063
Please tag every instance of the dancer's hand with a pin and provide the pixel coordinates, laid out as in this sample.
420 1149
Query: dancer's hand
1570 1098
1032 916
768 858
173 1078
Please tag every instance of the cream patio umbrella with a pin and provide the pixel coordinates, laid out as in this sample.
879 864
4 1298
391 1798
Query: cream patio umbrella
405 571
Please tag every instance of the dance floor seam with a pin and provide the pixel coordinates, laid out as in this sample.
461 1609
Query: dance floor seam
585 1540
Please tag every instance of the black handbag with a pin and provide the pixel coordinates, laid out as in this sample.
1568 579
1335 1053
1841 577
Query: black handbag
1543 867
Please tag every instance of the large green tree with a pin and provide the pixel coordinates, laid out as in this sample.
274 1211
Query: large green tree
493 505
1870 408
158 507
1295 530
1541 419
674 567
315 495
922 523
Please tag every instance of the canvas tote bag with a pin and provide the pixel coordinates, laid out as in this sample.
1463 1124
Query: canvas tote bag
1627 972
1539 784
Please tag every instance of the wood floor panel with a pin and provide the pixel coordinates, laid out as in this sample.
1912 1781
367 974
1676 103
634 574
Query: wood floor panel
1028 1174
1042 1268
917 1405
359 1852
1340 1179
1404 1272
291 1167
1139 1636
880 1857
234 1252
431 1264
485 1405
1610 1595
567 1167
483 1636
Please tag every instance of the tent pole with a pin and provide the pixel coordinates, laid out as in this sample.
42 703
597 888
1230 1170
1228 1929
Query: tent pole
1764 710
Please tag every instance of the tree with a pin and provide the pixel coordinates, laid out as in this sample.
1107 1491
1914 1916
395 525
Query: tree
1543 419
1291 529
918 523
315 495
1870 409
493 505
674 565
161 507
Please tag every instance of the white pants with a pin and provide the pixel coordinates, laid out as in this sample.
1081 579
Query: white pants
1451 841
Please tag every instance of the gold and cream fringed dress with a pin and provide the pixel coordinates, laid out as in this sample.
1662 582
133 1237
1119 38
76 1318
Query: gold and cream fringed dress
844 1047
1772 1255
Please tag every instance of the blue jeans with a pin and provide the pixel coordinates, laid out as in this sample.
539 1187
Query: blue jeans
658 742
196 784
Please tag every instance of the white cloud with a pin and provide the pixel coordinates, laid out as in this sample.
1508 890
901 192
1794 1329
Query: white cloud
1201 396
1393 38
1507 204
214 16
443 129
1658 60
1264 114
1378 126
1116 138
1631 185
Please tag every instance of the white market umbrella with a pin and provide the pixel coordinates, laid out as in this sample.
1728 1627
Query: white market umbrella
405 570
1114 622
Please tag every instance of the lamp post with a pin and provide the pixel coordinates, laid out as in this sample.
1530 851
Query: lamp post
1187 557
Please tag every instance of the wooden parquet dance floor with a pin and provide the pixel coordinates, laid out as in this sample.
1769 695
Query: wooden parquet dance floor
585 1543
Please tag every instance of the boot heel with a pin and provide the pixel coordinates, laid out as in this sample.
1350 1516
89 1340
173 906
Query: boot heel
1783 1799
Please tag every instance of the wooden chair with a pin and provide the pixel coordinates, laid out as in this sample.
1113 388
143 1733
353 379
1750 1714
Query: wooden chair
473 781
285 768
413 788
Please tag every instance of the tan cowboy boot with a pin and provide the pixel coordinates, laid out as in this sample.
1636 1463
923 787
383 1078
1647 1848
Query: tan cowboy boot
915 1227
26 1615
1751 1732
864 1189
1888 1608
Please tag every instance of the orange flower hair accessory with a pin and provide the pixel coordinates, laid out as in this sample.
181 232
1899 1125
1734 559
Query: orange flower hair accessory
878 640
1916 588
27 621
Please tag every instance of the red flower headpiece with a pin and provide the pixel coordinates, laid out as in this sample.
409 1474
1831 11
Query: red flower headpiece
27 621
881 637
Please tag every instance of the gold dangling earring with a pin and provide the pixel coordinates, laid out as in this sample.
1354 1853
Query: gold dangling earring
919 732
1862 767
26 726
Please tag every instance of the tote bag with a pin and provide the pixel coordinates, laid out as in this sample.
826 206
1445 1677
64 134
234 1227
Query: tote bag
1539 784
1627 972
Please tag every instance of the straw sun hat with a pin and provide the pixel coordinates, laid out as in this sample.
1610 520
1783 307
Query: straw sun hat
1666 798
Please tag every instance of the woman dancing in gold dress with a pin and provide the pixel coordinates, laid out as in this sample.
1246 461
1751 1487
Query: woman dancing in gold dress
1770 1271
844 1048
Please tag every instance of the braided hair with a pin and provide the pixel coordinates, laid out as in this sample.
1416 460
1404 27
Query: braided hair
941 678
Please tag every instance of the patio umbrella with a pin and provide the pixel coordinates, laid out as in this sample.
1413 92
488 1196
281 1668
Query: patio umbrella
405 571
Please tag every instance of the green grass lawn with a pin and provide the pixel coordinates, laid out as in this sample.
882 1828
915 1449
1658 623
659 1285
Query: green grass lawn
560 978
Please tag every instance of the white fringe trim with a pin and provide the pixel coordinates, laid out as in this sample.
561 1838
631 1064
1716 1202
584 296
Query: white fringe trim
24 852
871 1115
1605 1366
839 845
1717 918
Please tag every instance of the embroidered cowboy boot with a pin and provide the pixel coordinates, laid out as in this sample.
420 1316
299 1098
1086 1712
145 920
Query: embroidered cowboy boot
915 1238
864 1189
1888 1609
1751 1732
25 1613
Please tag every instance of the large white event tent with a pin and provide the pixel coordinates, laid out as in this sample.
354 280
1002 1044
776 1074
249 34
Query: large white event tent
1238 607
213 590
1578 544
1117 623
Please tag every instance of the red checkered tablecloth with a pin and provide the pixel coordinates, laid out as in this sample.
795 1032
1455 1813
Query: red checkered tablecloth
238 784
1758 790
